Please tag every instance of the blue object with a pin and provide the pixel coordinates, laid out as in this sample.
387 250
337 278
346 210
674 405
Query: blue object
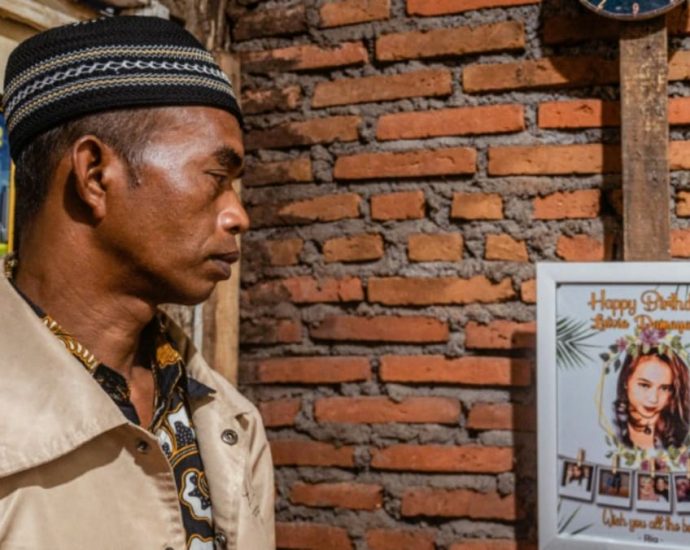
4 181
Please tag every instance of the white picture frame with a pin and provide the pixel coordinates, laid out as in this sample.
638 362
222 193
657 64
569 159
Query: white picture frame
563 287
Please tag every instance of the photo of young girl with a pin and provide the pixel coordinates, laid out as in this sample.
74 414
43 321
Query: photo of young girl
681 498
652 408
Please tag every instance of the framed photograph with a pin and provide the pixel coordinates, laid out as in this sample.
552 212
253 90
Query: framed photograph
613 372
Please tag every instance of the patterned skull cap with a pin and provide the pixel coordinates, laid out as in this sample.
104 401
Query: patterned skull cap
105 64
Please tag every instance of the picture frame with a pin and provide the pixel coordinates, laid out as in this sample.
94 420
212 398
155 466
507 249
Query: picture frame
613 399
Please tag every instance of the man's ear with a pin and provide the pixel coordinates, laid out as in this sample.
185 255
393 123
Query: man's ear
95 166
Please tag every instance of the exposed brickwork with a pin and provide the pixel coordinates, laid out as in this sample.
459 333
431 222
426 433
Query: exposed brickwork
442 458
471 371
477 206
408 162
504 247
434 248
304 58
447 290
508 35
348 12
457 160
459 503
354 496
430 8
310 536
398 206
493 119
383 88
355 248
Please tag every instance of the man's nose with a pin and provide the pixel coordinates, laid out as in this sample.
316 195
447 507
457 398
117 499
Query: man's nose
233 218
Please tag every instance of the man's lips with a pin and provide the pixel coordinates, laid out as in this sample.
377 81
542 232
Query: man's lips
228 258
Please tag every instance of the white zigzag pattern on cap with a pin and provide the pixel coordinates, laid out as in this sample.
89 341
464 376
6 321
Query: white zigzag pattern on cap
174 52
144 79
110 66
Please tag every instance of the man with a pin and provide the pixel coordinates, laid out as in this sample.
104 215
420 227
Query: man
115 434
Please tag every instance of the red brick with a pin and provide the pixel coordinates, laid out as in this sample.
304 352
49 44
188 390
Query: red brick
444 458
271 331
308 132
354 248
499 334
590 158
494 37
423 247
326 208
284 252
493 544
304 58
390 539
306 289
477 206
353 496
380 410
430 8
683 204
386 328
404 205
528 291
579 113
349 12
459 503
368 89
568 205
469 371
311 536
287 171
486 119
294 452
564 29
680 243
502 416
270 22
504 247
410 164
595 113
580 248
312 370
271 99
539 73
279 412
443 290
679 155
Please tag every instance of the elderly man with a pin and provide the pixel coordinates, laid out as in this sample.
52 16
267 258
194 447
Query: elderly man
114 433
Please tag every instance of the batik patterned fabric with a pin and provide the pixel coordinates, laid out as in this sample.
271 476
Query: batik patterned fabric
172 423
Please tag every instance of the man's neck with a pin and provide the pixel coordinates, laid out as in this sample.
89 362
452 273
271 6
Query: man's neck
108 323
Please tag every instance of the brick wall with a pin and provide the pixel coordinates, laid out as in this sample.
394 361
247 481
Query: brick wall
409 161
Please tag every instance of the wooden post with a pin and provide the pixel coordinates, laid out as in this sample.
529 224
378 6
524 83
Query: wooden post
644 109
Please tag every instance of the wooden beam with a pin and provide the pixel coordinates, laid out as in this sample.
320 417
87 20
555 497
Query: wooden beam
644 107
34 14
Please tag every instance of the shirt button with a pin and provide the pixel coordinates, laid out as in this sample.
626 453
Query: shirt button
221 541
229 436
143 447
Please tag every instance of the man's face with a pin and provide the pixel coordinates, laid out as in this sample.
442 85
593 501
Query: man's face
177 227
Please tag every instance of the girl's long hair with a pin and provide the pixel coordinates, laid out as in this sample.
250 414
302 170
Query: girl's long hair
673 424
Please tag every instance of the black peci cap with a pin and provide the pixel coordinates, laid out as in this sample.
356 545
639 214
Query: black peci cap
105 64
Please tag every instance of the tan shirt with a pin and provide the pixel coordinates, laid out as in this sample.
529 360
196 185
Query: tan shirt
74 473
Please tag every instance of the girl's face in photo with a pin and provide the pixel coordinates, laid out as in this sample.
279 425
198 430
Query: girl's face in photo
646 488
649 387
661 484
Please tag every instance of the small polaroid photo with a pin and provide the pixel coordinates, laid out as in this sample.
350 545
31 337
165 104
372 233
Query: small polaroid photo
576 480
681 493
653 493
614 488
